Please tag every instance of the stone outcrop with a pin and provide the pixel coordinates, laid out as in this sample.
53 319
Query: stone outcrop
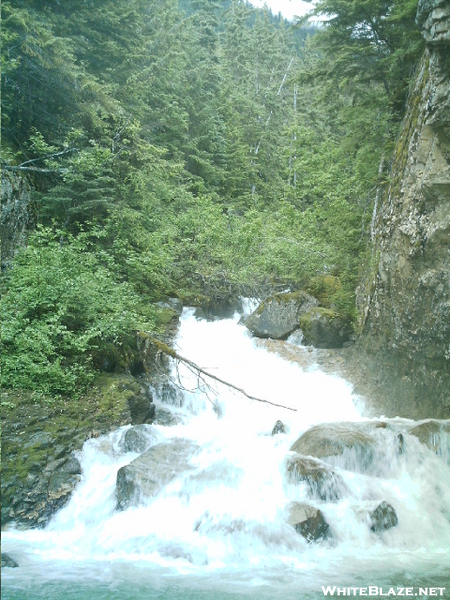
405 301
278 316
19 214
39 444
145 476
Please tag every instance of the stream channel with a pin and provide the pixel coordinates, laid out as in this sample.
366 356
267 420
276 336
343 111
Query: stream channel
219 528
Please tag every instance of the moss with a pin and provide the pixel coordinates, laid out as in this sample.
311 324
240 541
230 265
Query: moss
326 288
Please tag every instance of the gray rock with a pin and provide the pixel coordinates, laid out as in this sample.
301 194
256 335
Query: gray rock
383 517
278 428
7 561
308 521
404 299
333 439
434 434
325 328
278 316
138 438
322 480
145 476
165 417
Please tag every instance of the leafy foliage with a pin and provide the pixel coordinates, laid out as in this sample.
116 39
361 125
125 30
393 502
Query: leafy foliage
186 149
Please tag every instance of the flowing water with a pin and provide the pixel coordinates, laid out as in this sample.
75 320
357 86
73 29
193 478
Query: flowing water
218 529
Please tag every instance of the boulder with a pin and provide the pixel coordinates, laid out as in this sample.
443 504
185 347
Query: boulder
325 328
383 517
7 561
433 433
278 428
138 438
308 521
278 316
333 439
145 476
322 480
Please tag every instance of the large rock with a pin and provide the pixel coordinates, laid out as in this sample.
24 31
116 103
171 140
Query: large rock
383 517
145 476
322 480
434 434
278 316
333 439
325 328
308 521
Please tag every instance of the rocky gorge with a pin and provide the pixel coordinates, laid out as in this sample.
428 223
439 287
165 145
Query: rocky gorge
400 360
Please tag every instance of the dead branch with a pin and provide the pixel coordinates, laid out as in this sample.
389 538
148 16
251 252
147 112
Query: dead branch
165 349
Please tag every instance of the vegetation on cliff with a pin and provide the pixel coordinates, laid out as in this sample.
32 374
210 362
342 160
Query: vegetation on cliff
186 149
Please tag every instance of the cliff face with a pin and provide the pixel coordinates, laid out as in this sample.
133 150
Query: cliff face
406 299
19 214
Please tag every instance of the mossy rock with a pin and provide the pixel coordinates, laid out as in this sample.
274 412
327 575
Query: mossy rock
325 328
39 439
278 316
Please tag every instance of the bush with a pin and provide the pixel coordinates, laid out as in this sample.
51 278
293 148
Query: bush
62 305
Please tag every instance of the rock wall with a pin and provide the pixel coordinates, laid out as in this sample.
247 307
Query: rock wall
19 214
405 302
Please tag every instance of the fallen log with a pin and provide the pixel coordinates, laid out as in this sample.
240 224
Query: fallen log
168 351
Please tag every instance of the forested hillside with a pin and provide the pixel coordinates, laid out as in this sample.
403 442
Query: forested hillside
197 149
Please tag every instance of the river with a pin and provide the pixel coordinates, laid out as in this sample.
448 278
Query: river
218 530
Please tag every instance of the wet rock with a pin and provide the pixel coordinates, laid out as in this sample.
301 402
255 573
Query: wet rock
322 480
334 439
145 476
434 434
40 441
138 439
325 328
7 561
278 316
383 517
308 521
278 428
165 417
140 402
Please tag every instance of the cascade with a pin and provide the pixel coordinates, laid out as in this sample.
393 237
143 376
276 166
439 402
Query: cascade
218 526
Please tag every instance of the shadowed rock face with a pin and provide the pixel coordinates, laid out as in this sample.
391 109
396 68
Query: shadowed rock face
7 561
278 316
383 517
308 521
325 328
405 299
145 476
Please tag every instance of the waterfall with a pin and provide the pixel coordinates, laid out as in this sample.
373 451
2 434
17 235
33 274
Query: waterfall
219 526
